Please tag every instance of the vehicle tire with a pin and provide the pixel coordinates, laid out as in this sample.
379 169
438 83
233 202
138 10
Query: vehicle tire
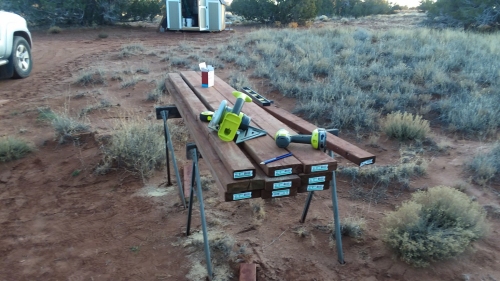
21 57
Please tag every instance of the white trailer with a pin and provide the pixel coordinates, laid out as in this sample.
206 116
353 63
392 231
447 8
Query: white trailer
196 15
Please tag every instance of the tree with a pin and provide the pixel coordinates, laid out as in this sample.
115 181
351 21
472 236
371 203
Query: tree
83 12
295 10
467 13
284 11
258 10
425 5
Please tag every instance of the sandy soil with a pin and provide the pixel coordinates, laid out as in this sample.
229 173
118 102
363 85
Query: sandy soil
59 224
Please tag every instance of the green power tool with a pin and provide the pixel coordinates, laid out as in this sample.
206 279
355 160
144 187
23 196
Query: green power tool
230 123
317 139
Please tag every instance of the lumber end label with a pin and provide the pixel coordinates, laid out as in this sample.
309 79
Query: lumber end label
319 168
367 162
281 185
283 172
248 174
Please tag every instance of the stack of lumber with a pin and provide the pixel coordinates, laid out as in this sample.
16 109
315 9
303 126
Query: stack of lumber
236 167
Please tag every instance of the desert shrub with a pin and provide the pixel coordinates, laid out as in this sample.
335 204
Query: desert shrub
54 30
352 227
485 166
91 77
67 127
137 145
13 148
406 126
434 225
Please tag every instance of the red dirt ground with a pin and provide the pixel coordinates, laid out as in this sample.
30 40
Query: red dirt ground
57 224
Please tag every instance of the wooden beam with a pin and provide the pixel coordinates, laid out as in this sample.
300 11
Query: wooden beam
314 182
259 149
221 175
235 161
248 272
345 149
305 153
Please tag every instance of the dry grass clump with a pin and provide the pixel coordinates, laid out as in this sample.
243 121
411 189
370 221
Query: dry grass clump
406 126
67 127
131 50
137 145
158 91
222 250
13 148
54 30
485 166
130 82
91 77
258 210
434 225
380 177
352 227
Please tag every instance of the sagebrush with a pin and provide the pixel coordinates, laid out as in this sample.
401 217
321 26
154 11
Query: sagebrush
406 126
434 225
485 166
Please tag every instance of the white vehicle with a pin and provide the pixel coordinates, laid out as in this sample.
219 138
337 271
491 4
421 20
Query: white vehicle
15 46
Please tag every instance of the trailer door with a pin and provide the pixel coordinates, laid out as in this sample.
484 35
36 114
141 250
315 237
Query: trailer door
202 15
174 17
214 15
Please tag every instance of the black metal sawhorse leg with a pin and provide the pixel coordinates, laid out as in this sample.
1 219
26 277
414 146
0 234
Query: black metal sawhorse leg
165 112
336 217
195 177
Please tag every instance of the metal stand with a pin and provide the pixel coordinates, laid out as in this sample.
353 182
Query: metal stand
336 217
195 177
164 112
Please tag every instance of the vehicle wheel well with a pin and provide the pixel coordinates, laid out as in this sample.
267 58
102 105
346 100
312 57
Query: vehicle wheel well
24 35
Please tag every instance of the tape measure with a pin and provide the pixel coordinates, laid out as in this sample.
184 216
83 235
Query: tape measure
206 116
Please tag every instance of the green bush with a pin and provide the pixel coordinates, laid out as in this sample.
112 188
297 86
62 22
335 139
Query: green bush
485 166
434 225
12 148
406 126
